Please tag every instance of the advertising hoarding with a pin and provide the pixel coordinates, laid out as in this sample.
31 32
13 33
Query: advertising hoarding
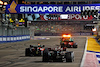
44 17
52 9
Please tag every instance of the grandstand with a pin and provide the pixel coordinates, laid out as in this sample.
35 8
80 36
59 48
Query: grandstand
60 27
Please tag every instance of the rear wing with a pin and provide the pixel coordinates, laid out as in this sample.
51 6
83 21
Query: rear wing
37 46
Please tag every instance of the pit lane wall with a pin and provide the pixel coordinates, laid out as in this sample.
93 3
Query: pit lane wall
5 39
14 34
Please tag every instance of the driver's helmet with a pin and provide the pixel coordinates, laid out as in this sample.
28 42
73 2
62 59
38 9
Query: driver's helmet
38 44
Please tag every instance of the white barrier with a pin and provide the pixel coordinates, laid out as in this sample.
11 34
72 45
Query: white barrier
4 39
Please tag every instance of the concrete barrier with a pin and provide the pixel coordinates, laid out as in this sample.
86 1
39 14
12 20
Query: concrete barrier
4 39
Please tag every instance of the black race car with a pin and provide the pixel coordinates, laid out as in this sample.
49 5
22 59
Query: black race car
67 41
34 50
57 55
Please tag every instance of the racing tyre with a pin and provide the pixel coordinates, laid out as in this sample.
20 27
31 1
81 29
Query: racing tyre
69 56
45 57
68 46
74 46
27 52
62 45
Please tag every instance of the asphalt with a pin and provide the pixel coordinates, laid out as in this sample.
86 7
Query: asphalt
13 54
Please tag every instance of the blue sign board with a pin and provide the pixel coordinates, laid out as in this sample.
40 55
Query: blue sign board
41 9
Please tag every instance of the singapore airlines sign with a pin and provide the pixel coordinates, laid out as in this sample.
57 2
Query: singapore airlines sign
62 9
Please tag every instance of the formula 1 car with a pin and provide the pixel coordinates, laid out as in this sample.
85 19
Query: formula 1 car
57 55
34 50
67 41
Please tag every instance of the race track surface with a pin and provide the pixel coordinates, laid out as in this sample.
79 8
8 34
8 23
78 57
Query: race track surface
13 54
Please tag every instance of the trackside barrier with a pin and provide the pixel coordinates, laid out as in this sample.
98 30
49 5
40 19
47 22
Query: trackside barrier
4 39
59 34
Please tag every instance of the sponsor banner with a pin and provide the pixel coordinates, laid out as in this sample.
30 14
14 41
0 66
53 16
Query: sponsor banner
44 17
40 8
70 17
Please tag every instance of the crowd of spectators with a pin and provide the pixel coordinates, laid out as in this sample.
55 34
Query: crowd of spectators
59 27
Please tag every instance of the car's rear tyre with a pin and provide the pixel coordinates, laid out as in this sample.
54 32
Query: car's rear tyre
68 46
69 57
74 46
27 52
62 45
45 57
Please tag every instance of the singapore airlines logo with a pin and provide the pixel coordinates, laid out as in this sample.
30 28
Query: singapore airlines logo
12 7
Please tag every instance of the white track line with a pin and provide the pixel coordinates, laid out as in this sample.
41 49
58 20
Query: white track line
84 53
98 59
97 53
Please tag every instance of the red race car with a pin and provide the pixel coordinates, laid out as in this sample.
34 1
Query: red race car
67 41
